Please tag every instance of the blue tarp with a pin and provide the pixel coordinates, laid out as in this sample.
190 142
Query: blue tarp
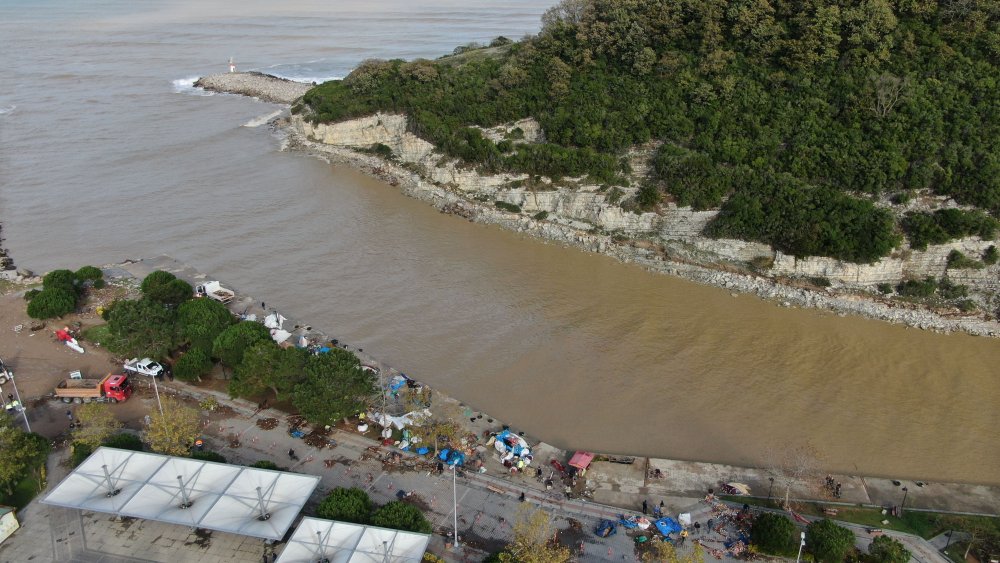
667 526
606 528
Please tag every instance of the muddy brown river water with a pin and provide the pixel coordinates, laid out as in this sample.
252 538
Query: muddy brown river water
106 153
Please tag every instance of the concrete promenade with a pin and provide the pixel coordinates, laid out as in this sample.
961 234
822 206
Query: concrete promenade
487 503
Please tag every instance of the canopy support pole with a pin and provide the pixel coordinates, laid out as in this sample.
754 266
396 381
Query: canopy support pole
264 515
186 501
112 491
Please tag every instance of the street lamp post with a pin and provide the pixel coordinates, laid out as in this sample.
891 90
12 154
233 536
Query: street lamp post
902 504
24 411
802 543
454 493
769 489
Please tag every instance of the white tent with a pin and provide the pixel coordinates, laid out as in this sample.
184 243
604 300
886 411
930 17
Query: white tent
341 542
201 494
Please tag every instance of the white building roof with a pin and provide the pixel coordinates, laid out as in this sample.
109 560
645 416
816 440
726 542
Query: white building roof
341 542
201 494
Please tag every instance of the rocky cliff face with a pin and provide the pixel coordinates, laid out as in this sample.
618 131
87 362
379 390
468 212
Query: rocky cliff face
671 240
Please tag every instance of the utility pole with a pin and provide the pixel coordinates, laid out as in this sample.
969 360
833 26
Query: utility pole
156 390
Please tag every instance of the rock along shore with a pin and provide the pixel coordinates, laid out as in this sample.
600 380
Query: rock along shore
424 174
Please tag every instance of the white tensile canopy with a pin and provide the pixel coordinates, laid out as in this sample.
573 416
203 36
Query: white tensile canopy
201 494
341 542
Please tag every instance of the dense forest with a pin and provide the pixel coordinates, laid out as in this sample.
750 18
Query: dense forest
789 114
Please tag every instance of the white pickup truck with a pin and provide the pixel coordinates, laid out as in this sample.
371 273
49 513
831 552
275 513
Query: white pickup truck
144 366
214 290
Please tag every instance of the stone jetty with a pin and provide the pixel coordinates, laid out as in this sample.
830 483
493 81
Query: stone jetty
255 84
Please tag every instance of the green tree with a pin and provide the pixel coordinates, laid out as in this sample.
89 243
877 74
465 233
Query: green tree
233 342
400 515
174 431
89 273
267 366
885 549
97 424
51 302
193 365
773 533
346 505
333 387
165 288
828 541
23 455
143 328
61 279
201 321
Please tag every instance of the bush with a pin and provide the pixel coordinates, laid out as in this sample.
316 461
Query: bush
901 198
399 515
265 464
89 273
193 365
125 441
540 216
773 533
52 302
917 288
208 456
648 196
947 224
885 549
884 288
820 281
31 293
829 542
990 256
949 290
99 284
80 453
967 306
346 505
958 260
507 206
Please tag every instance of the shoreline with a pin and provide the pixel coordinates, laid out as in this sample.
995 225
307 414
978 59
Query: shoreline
870 486
785 295
678 258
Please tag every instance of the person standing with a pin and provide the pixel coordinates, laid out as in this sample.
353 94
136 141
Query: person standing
645 508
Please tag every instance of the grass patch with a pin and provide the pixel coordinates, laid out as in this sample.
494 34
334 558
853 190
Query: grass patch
100 335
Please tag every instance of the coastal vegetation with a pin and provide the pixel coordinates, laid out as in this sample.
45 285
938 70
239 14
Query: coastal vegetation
792 116
166 319
61 292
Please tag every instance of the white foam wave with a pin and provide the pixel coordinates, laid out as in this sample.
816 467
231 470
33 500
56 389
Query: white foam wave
8 109
186 86
260 120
